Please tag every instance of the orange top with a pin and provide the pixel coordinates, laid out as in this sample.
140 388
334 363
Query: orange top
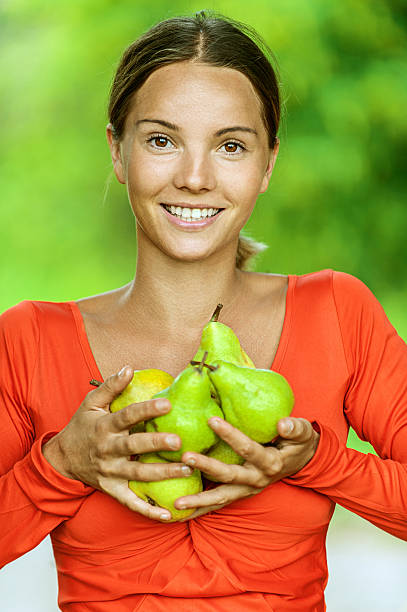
345 363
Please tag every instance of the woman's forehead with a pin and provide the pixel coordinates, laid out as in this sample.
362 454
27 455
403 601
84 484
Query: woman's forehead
186 87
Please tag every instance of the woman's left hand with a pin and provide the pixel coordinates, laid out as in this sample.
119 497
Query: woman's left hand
290 452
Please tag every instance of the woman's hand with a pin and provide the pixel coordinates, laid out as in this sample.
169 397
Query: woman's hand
290 452
95 447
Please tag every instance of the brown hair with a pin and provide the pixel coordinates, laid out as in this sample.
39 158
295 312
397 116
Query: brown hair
212 39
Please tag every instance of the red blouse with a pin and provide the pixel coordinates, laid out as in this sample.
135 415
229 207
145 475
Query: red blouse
346 365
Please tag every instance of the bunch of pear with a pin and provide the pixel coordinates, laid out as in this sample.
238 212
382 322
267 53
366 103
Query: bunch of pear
221 380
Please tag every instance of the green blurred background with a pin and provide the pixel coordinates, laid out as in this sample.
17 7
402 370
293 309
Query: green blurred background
337 196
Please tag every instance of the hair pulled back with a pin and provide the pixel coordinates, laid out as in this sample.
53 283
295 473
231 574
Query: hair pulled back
208 38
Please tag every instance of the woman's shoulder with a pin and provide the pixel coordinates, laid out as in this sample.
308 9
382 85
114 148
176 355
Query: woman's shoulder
264 284
26 319
29 310
97 305
341 284
353 303
324 281
320 290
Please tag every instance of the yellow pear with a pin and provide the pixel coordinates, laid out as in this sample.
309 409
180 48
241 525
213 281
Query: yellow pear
142 387
163 493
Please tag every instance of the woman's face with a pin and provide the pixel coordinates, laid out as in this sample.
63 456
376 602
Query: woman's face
194 156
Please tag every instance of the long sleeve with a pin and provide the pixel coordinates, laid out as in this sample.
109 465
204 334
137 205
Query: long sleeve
35 498
374 487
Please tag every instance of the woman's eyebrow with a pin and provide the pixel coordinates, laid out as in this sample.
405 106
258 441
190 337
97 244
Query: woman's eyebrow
222 132
167 124
235 128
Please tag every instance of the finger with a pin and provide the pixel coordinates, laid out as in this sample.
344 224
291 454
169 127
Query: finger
129 499
106 393
135 413
136 444
219 496
296 429
243 445
149 472
200 512
247 474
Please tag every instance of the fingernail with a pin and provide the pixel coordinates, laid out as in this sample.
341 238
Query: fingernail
288 426
181 506
165 517
186 470
215 421
190 461
162 405
123 371
172 442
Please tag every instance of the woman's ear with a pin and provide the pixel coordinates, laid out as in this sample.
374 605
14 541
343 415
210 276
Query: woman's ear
270 166
116 154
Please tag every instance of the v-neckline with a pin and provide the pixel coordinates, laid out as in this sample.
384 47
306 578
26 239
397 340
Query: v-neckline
278 357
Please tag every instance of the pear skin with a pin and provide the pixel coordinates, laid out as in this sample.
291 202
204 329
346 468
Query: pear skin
163 493
142 387
221 343
191 407
223 452
252 400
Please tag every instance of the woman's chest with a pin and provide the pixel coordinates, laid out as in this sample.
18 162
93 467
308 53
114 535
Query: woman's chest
257 329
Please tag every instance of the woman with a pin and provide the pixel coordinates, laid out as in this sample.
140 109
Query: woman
194 114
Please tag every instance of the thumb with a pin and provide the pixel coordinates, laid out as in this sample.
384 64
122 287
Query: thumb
110 389
296 429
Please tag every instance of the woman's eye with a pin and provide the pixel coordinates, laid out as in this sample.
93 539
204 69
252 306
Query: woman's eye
232 147
160 142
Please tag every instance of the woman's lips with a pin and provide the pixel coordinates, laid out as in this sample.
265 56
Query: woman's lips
198 224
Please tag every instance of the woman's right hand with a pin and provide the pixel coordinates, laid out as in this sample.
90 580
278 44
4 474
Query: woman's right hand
95 446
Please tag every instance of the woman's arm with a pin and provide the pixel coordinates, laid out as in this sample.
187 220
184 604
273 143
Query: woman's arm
35 498
372 487
42 480
375 487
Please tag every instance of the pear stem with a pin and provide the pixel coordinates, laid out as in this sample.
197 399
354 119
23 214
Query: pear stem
206 365
215 315
202 362
95 383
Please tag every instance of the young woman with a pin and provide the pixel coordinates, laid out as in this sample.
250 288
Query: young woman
194 113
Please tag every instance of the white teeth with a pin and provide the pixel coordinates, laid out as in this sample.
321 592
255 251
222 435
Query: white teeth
191 214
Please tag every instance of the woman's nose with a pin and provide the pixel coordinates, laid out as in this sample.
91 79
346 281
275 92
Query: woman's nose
195 172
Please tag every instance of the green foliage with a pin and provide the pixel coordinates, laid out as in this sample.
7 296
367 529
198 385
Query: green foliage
337 194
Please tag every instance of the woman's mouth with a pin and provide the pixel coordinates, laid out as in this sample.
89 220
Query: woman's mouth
191 215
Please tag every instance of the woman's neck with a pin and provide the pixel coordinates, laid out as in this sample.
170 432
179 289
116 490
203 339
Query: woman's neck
182 295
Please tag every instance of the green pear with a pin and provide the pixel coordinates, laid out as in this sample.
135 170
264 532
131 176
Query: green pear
221 343
142 387
252 400
163 493
223 452
191 407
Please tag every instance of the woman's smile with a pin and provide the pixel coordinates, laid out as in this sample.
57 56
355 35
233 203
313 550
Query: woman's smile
191 218
193 166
